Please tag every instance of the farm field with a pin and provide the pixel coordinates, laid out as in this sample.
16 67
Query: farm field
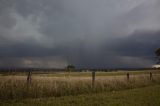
146 96
76 88
80 74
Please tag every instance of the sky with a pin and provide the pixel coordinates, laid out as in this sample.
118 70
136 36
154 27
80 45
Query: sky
85 33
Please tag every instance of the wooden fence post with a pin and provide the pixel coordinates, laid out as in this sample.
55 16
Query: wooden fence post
151 77
29 78
127 76
93 79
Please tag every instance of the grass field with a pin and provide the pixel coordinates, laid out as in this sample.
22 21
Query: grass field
66 89
146 96
81 74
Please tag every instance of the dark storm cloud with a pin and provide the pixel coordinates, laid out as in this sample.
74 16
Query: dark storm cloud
87 33
140 43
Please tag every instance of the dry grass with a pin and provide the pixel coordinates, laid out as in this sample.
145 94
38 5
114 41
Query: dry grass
15 87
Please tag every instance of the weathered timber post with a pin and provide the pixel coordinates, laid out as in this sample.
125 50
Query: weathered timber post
127 76
29 78
151 76
93 79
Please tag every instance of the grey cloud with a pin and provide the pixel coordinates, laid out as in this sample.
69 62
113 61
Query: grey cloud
87 33
33 62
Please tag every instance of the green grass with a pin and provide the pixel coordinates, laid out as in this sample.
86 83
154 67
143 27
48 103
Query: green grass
146 96
63 89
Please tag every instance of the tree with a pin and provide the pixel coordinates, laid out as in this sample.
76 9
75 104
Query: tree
157 52
70 67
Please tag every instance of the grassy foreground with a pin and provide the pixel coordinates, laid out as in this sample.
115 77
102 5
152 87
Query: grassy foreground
71 90
16 88
146 96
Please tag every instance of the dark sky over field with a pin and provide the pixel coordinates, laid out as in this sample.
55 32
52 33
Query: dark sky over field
86 33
